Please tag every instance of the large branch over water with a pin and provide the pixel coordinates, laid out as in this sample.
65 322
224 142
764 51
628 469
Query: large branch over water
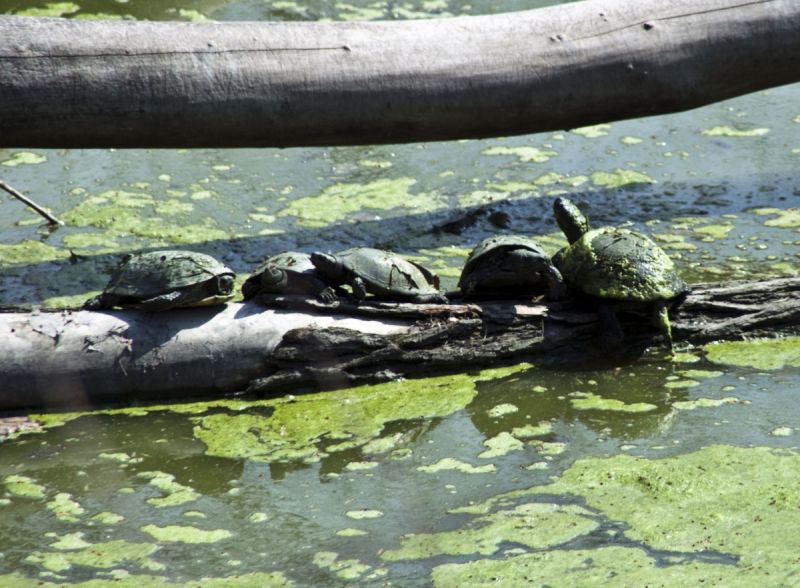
74 358
155 84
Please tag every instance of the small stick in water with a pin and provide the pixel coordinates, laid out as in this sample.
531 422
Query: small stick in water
50 218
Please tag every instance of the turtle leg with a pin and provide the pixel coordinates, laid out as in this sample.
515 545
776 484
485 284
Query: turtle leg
612 334
660 318
430 299
525 260
163 302
100 302
328 295
359 288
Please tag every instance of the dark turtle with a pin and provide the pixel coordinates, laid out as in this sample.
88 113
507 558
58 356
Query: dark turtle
624 269
161 280
287 273
381 273
509 265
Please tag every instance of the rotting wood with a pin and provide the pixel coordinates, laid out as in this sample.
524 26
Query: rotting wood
71 83
79 358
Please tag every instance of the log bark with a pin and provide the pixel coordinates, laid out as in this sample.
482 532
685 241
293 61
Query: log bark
153 84
79 358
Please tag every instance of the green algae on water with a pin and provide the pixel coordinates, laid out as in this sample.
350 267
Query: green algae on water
589 401
534 525
761 354
364 513
525 154
65 508
24 157
24 487
704 403
29 251
604 566
337 201
452 464
500 445
728 131
186 534
98 555
175 493
502 410
347 569
733 500
619 178
593 131
786 218
296 430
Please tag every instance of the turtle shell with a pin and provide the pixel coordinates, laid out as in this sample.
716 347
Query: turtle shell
619 264
487 259
388 274
302 277
151 274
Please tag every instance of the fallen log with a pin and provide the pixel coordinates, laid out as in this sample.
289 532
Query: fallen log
77 358
69 83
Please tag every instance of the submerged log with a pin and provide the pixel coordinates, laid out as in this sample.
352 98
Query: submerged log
69 83
82 357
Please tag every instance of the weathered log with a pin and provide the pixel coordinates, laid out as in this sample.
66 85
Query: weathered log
155 84
76 358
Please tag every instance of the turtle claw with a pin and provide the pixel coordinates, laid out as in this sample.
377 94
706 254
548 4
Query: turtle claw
328 296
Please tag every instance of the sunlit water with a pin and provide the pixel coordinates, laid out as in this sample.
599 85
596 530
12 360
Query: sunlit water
324 489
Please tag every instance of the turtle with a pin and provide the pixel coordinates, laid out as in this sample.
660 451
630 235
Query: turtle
162 280
290 272
381 273
621 268
507 265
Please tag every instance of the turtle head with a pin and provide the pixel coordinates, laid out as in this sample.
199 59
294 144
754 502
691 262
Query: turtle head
328 265
571 220
273 277
224 283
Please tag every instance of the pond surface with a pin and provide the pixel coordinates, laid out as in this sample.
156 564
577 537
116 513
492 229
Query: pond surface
657 472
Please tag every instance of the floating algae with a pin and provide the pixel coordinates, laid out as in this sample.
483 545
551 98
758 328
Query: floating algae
534 525
296 430
761 354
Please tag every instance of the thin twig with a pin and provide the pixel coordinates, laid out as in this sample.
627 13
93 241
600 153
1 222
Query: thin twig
50 218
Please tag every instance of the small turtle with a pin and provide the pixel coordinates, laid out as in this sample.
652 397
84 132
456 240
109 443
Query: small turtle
509 265
624 269
381 273
161 280
288 273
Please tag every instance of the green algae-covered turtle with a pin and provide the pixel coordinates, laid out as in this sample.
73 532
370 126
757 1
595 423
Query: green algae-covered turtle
290 272
624 269
162 280
508 265
381 273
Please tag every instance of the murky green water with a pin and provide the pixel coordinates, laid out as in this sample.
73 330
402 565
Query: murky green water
652 473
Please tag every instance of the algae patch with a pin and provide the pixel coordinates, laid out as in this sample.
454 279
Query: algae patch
452 464
24 158
525 154
739 501
98 555
303 428
336 202
24 487
534 525
619 178
589 401
728 131
761 354
186 534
